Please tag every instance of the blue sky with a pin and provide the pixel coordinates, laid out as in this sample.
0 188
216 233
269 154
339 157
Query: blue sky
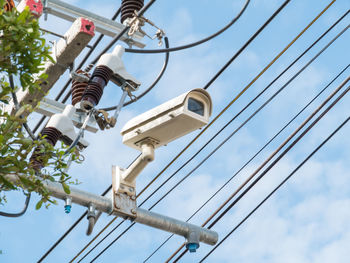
305 221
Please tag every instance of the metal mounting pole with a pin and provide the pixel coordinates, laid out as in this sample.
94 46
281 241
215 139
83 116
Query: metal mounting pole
142 216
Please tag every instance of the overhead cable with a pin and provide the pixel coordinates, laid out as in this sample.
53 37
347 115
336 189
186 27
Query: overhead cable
251 116
152 51
242 91
279 186
274 162
42 120
148 185
22 212
221 71
252 158
116 38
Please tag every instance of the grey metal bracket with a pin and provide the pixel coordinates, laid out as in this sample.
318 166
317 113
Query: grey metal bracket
49 107
103 25
125 205
104 204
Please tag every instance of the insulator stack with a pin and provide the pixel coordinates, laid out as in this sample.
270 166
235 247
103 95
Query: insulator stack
9 4
129 7
78 88
98 81
51 136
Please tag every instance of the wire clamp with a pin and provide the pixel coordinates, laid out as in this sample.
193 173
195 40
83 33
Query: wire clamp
136 24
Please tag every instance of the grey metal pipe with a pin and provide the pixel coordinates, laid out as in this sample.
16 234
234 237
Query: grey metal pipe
101 203
175 226
105 204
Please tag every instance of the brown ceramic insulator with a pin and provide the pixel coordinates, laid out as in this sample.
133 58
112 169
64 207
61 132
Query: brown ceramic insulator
93 93
102 72
129 7
78 88
9 4
51 136
98 81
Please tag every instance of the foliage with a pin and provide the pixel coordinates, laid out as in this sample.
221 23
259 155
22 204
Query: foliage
22 54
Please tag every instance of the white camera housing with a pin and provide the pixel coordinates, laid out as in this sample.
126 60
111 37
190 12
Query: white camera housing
169 121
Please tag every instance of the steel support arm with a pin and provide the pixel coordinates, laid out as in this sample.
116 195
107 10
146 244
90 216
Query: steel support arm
103 25
105 204
175 226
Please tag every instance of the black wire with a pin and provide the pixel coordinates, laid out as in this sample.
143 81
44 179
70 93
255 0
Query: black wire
250 117
160 75
25 125
68 231
120 235
283 182
152 51
26 203
253 157
98 243
140 13
226 65
115 39
280 157
282 154
74 225
99 39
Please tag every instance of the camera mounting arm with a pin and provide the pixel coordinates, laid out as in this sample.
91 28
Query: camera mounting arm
125 180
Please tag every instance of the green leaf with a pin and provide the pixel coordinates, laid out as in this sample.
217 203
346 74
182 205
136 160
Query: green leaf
39 204
65 188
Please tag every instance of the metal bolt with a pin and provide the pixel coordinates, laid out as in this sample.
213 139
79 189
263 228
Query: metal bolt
133 211
131 189
133 197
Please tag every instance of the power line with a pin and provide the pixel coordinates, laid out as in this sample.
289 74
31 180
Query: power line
191 45
275 94
211 81
248 119
22 212
68 231
289 138
73 226
235 98
270 158
283 182
253 157
131 225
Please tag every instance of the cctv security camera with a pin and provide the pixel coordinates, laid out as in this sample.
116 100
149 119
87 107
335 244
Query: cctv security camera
169 121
